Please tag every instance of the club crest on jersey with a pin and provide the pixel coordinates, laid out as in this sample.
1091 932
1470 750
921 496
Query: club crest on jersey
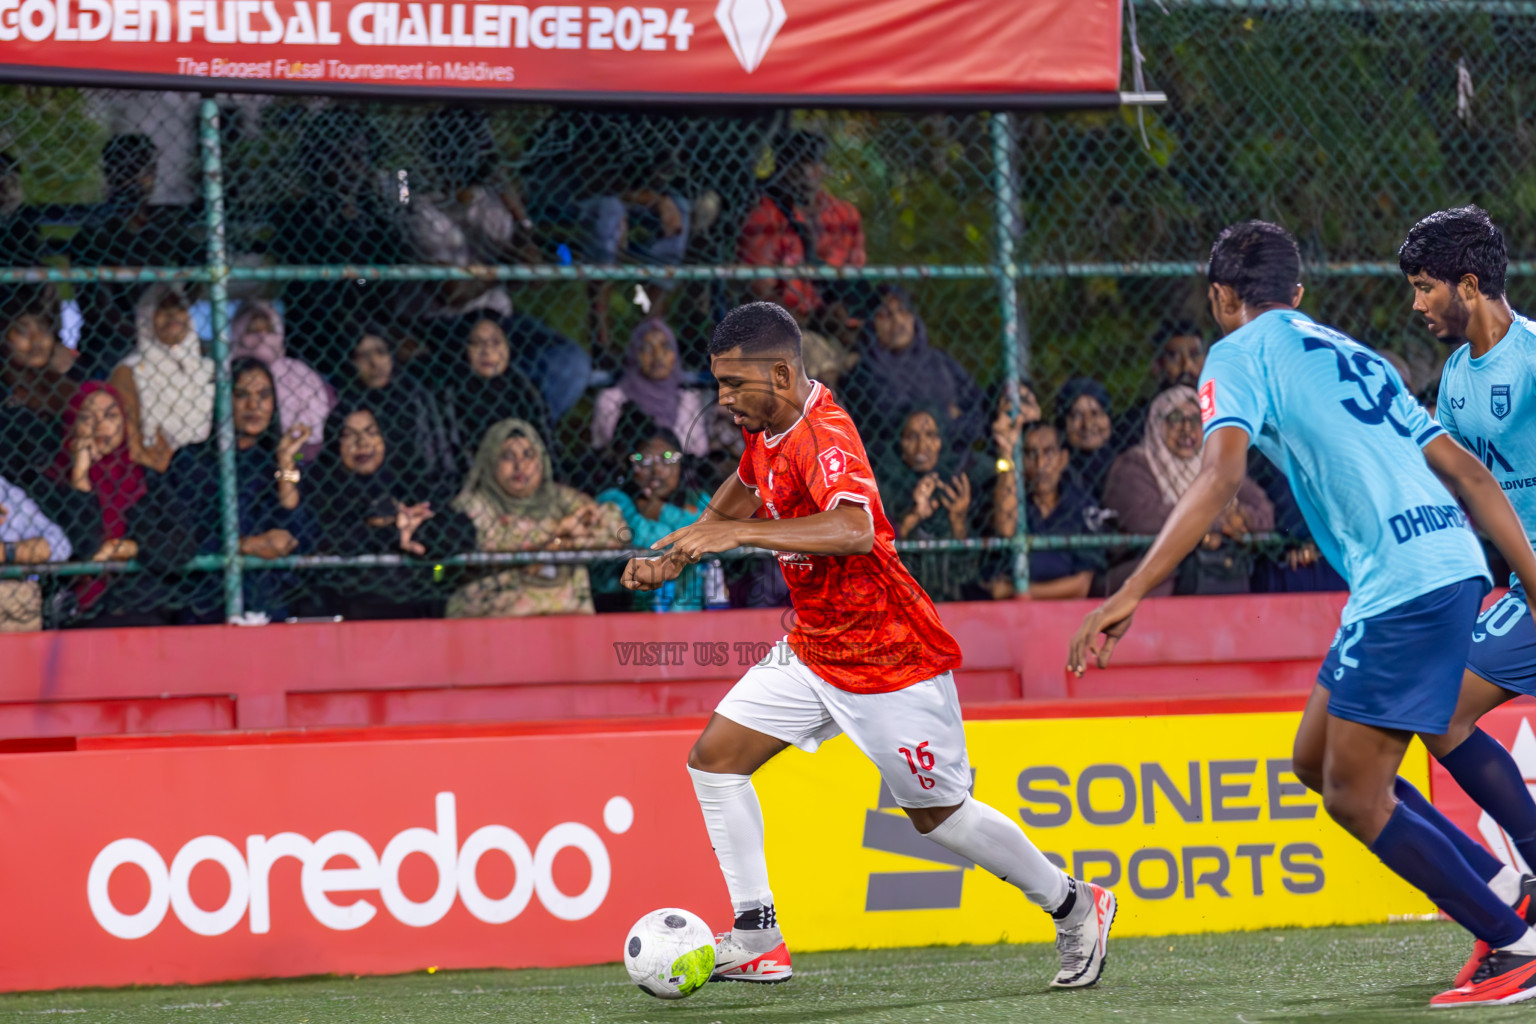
1208 401
834 463
1498 402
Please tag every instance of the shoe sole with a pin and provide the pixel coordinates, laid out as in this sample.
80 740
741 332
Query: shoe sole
1109 920
777 980
1518 997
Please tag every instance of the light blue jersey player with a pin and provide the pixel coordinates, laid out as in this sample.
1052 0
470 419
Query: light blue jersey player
1455 260
1366 463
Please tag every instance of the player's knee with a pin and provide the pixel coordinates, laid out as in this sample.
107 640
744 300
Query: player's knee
712 758
1308 769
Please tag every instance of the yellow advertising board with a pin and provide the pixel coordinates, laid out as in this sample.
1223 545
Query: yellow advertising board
1195 821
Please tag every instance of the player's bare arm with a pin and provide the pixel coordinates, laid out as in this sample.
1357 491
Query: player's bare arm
1222 468
846 529
733 502
1470 480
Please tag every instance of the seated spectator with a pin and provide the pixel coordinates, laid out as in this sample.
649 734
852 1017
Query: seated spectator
1178 356
414 426
517 506
615 176
472 216
39 379
166 384
183 511
653 383
303 396
349 213
898 369
1054 506
926 496
28 537
20 245
1083 416
126 231
796 221
656 500
493 390
363 508
1147 481
96 485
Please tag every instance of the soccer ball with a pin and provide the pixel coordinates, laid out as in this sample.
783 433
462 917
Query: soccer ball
670 953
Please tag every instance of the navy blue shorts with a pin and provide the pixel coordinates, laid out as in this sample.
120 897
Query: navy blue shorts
1402 669
1504 643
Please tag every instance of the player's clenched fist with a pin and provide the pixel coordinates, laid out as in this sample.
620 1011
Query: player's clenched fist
650 573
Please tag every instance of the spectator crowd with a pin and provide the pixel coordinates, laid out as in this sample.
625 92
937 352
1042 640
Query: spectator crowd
439 419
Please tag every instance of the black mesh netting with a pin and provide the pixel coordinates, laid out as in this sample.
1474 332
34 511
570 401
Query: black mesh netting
530 374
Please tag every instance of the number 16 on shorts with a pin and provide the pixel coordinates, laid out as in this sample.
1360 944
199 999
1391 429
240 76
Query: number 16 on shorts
920 760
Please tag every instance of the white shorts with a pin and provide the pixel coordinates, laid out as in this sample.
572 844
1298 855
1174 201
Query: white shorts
915 736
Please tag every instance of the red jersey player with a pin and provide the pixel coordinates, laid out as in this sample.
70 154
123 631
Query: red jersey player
867 656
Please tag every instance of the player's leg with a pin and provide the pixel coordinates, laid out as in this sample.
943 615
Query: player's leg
722 763
1307 763
772 707
916 737
1359 781
1483 768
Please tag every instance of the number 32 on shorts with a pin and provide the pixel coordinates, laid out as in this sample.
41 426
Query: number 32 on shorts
923 760
1499 619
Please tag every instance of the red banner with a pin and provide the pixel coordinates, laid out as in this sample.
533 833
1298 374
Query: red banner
199 864
972 51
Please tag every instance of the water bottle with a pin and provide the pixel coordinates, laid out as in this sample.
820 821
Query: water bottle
716 596
665 595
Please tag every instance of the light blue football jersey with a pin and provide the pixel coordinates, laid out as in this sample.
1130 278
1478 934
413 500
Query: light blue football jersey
1489 405
1338 422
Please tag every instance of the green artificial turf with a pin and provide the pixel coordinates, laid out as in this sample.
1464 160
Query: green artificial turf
1383 973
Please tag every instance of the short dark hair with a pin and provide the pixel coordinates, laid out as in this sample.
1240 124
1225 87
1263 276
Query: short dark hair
757 328
1258 260
1450 244
1170 329
1039 425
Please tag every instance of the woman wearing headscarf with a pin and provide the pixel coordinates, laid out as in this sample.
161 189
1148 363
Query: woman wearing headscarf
363 508
516 505
658 497
38 376
411 418
303 396
928 497
166 383
96 485
653 383
1083 417
493 390
185 509
899 368
1146 482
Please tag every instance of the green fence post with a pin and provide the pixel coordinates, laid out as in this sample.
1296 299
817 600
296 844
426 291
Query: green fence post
218 296
1006 272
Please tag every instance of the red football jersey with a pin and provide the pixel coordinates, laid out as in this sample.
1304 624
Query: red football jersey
861 621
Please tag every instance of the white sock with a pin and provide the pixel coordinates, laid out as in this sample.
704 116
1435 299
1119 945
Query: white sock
1506 884
734 819
1526 946
992 840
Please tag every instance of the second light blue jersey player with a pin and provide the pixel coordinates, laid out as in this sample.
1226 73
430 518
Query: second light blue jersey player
1488 404
1338 422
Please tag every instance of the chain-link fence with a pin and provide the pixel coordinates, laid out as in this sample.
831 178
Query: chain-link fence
311 358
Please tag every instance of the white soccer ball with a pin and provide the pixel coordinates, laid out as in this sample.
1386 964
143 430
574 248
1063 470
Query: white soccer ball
670 953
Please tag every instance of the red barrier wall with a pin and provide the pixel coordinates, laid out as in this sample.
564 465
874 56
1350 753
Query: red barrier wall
94 682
